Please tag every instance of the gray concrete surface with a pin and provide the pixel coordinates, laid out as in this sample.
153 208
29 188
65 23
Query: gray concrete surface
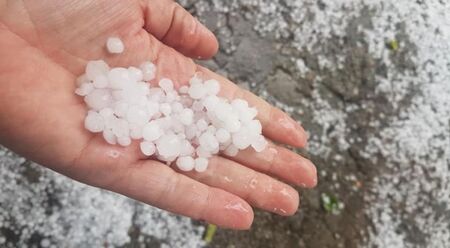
369 80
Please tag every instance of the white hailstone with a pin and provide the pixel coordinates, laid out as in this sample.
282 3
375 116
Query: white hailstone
147 148
109 137
201 152
135 131
186 147
197 91
151 131
222 135
84 89
171 126
120 108
177 107
183 89
191 131
118 78
138 115
106 113
231 151
120 128
98 99
166 84
124 140
82 80
143 89
152 108
202 125
96 68
171 96
114 45
239 104
186 116
195 80
248 114
168 145
148 70
232 124
212 86
210 102
241 139
208 142
165 109
135 74
259 143
185 163
254 126
201 164
176 125
100 81
156 94
94 122
211 129
186 101
197 106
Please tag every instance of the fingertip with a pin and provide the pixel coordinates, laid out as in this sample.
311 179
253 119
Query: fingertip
308 176
209 46
229 211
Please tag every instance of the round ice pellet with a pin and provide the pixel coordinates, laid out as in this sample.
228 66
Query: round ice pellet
197 91
168 145
208 142
98 99
96 68
147 148
201 164
124 141
151 131
148 71
94 122
114 45
118 78
165 109
185 163
109 137
84 89
259 143
100 81
222 135
166 84
135 74
212 86
231 151
136 114
186 116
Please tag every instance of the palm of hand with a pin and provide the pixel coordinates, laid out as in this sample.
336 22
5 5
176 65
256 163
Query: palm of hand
44 45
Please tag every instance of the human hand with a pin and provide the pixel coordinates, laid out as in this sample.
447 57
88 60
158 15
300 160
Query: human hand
45 44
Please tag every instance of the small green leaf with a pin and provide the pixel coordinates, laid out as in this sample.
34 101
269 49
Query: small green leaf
210 231
331 204
393 45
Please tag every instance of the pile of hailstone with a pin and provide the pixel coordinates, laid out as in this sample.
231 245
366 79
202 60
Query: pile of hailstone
187 125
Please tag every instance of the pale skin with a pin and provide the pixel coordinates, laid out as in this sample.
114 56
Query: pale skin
45 45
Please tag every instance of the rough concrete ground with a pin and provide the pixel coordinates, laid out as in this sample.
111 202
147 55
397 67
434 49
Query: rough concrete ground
370 81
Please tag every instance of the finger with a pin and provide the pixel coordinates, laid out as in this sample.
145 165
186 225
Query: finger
157 184
256 188
280 162
177 28
277 125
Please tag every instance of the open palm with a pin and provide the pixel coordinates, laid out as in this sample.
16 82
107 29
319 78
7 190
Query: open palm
45 44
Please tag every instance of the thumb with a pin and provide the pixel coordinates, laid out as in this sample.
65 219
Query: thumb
177 28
